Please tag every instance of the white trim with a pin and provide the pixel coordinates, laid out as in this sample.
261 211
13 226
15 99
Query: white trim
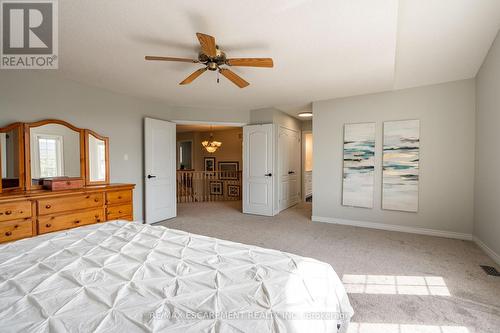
390 227
197 122
492 254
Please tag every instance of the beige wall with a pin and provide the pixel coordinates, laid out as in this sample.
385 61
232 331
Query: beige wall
307 125
487 181
230 151
447 117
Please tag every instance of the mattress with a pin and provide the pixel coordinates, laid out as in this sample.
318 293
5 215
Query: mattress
129 277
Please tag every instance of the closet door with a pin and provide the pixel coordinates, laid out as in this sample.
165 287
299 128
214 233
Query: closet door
289 148
258 169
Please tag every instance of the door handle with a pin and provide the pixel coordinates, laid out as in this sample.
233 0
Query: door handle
291 172
149 176
268 175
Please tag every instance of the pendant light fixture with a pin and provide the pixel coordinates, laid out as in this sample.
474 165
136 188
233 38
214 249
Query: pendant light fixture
211 145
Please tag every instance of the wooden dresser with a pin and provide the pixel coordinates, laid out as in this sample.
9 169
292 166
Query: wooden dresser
29 213
38 155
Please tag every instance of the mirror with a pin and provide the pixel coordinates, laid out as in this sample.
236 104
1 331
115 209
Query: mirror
54 152
97 158
11 162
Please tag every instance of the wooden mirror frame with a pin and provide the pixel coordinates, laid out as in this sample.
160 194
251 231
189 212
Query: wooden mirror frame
20 138
27 148
87 158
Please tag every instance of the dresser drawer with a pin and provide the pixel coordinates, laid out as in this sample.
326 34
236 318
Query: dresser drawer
71 220
119 212
118 197
70 203
13 230
15 210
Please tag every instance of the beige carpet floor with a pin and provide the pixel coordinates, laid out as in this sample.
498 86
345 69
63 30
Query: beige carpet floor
385 268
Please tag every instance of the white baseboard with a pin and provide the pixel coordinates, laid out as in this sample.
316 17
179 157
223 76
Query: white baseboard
492 254
391 227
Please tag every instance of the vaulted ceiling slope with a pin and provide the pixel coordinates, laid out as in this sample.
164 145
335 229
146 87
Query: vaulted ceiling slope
321 48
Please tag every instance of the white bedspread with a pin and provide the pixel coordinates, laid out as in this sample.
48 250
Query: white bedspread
129 277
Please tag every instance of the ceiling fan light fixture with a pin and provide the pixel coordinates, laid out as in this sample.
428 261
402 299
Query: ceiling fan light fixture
213 58
306 114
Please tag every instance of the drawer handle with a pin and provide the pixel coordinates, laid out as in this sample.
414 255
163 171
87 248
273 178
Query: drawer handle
77 221
96 200
8 233
88 196
119 212
16 226
119 197
98 220
8 212
48 225
48 206
68 183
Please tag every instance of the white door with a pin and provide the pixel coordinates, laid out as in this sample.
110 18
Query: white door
289 148
159 150
258 143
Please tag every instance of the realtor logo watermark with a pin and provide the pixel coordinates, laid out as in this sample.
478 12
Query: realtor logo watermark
29 38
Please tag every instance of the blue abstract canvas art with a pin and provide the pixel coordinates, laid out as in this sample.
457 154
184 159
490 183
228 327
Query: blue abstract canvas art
401 165
359 165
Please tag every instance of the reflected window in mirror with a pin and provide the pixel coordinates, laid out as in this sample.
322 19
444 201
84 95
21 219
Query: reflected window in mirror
55 152
50 156
97 159
9 158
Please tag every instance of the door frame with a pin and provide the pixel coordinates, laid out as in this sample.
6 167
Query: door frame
303 160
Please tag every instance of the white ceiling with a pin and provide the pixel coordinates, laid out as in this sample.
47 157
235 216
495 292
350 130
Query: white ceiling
321 48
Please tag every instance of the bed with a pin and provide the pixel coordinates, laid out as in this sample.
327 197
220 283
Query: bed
129 277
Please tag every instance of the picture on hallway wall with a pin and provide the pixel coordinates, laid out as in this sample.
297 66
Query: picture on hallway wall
229 170
233 191
209 163
401 165
216 188
359 165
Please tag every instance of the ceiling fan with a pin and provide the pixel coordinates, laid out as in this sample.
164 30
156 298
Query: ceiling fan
213 58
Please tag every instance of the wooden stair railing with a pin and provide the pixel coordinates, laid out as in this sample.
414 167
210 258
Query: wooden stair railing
205 186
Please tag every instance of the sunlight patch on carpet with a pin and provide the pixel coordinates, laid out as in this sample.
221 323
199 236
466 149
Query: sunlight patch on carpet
395 285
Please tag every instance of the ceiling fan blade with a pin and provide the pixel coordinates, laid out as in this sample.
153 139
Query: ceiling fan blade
233 77
171 59
193 76
207 43
251 62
